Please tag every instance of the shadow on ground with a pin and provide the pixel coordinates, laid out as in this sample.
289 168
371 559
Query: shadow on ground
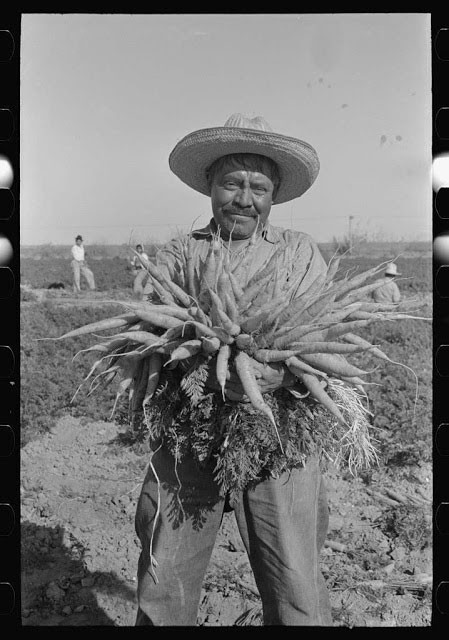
57 588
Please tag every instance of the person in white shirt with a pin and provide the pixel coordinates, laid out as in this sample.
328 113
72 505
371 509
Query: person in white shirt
139 271
79 266
388 292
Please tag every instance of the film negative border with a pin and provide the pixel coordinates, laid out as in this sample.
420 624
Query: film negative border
440 184
9 324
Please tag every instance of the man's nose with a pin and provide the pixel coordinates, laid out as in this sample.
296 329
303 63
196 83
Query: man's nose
244 198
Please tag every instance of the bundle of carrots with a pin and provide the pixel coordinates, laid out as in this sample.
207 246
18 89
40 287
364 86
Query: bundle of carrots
213 322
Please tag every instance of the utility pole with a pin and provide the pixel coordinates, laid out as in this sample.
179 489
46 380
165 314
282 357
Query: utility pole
351 218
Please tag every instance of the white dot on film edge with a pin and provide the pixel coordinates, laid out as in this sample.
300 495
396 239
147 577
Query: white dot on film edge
5 251
6 173
440 171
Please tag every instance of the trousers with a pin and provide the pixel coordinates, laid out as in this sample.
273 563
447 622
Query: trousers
138 283
79 268
283 524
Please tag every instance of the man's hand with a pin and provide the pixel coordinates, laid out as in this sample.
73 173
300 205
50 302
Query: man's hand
270 376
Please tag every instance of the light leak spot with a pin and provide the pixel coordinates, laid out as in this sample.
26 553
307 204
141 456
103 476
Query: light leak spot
441 248
6 173
440 171
5 250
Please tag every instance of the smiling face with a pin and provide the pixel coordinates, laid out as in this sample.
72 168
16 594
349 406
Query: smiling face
242 191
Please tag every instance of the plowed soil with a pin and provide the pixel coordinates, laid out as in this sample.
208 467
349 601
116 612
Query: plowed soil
80 551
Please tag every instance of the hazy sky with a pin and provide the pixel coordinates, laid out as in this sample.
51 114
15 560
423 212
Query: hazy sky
105 98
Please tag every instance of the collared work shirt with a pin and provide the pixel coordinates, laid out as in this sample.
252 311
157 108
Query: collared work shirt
298 256
388 292
78 252
137 261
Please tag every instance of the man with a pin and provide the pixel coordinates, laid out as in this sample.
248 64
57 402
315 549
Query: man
79 266
388 292
245 168
138 263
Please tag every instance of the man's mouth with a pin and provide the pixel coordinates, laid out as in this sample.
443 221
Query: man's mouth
240 214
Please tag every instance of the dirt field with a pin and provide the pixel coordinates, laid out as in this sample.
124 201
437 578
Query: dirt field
79 493
80 485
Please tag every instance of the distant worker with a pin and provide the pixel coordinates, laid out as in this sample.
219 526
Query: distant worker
138 263
388 292
79 266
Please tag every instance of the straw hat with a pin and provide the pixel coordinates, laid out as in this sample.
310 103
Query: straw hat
391 270
297 161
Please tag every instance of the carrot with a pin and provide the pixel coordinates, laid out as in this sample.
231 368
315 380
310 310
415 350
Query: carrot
231 307
190 269
327 347
268 269
209 269
210 345
252 291
378 306
313 385
245 342
164 296
365 315
295 334
124 384
332 364
244 370
378 353
100 325
273 355
274 305
254 322
140 385
202 331
159 319
299 303
226 323
198 315
185 350
223 335
297 366
142 337
236 288
357 294
167 347
356 281
154 371
222 366
338 316
346 327
171 287
170 310
103 347
178 293
215 298
312 310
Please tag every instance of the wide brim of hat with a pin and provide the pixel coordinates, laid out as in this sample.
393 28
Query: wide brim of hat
297 160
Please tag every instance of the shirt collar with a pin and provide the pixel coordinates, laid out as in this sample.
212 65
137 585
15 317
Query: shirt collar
269 233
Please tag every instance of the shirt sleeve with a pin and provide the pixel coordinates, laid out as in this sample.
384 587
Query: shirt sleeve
396 293
305 260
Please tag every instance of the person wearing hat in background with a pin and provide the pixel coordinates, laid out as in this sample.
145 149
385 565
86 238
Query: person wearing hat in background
388 292
245 168
138 264
79 266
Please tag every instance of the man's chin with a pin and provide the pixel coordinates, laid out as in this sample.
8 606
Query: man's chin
240 227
